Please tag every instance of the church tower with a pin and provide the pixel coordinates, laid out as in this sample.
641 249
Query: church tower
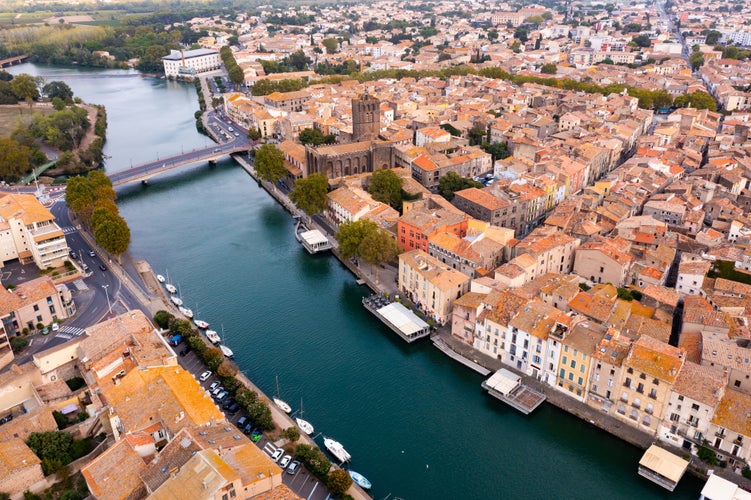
366 118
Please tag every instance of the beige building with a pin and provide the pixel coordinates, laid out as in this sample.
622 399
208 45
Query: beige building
33 302
606 370
28 232
577 358
432 285
20 468
604 261
649 372
730 430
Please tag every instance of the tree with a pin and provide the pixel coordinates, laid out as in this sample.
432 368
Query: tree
269 163
53 448
642 41
315 137
661 98
377 247
522 34
536 20
254 134
549 69
18 344
330 44
339 482
698 100
291 433
25 87
309 193
14 158
498 150
113 235
476 135
60 90
713 36
451 129
351 235
696 60
386 187
452 182
314 459
213 357
236 75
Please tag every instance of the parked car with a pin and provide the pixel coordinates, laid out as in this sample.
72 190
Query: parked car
256 435
204 376
284 462
222 396
55 327
228 402
92 253
277 454
102 267
73 254
248 428
185 350
241 421
234 408
216 392
214 385
293 467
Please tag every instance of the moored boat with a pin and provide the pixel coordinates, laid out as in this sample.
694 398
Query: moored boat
282 405
160 278
170 288
305 426
227 352
177 301
336 449
201 324
213 336
186 312
361 480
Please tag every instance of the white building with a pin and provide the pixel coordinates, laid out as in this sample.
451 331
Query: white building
191 62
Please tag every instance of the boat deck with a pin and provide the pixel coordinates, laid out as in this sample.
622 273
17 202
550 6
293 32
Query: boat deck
523 398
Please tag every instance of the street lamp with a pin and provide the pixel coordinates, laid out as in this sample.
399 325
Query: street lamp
106 293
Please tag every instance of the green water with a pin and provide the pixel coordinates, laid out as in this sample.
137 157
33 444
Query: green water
417 424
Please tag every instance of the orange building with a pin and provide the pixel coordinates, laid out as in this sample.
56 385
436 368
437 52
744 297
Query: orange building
414 228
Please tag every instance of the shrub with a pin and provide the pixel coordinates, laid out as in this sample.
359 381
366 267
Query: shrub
314 460
708 456
75 383
60 419
746 472
162 319
18 344
338 481
291 433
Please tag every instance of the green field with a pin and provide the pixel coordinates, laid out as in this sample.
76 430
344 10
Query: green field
101 18
13 116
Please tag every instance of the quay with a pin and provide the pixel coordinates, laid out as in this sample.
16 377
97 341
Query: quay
445 349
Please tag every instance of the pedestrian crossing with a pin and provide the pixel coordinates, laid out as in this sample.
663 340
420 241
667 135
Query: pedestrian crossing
69 229
68 332
80 285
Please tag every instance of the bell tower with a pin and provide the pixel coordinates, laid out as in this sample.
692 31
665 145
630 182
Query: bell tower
366 118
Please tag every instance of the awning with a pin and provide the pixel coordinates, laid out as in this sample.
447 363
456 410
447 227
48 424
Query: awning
69 409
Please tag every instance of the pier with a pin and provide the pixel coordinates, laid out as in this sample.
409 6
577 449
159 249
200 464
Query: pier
398 318
507 386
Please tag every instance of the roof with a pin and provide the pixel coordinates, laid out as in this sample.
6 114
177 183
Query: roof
734 412
701 383
25 294
15 456
115 474
201 477
718 488
176 55
482 198
655 358
664 463
402 318
23 206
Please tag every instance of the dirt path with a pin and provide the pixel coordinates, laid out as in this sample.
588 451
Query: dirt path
90 135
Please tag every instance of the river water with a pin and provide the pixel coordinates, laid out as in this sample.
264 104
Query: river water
417 424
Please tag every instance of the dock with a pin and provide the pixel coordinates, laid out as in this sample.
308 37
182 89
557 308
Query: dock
398 318
314 240
507 386
445 349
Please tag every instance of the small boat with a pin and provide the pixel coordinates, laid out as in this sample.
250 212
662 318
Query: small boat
279 402
160 278
227 352
304 425
361 480
170 288
201 324
177 301
213 336
336 449
186 312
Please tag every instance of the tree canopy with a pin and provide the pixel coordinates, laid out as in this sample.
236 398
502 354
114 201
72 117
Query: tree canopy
698 100
386 187
351 235
315 137
14 159
378 247
269 163
25 87
309 193
339 482
453 182
60 90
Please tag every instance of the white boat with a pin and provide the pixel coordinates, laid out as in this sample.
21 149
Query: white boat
336 449
278 400
282 405
361 480
186 312
213 336
177 301
201 324
160 278
170 288
227 351
304 425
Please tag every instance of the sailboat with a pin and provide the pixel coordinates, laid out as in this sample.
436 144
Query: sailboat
304 425
280 403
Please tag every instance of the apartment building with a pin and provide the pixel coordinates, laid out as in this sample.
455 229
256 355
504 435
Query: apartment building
189 63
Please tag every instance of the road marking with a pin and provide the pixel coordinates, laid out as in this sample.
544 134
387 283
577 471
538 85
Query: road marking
69 229
68 332
80 285
313 490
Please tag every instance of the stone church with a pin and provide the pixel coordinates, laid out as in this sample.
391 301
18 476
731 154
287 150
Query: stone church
365 153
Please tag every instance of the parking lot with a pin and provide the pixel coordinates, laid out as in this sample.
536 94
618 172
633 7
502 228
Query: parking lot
302 482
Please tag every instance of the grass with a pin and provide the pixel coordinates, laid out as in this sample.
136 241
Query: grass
726 269
13 116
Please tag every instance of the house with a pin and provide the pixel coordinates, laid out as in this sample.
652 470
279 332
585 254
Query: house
20 468
467 309
527 342
604 260
552 250
605 371
730 428
648 375
691 276
33 302
430 284
115 474
577 358
415 227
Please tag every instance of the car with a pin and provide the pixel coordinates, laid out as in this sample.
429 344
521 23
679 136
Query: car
237 135
284 462
55 327
248 428
214 385
204 376
222 395
234 408
92 253
293 467
217 391
45 330
231 129
102 267
241 422
185 350
277 454
85 268
228 402
73 255
255 436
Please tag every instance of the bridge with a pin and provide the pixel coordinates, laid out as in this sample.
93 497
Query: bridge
145 171
10 61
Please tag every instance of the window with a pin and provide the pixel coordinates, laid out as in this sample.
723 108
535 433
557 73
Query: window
580 381
640 388
573 364
653 393
694 406
36 307
627 382
737 383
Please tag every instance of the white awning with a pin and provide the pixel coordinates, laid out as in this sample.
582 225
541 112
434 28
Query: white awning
503 381
69 409
405 320
718 488
314 237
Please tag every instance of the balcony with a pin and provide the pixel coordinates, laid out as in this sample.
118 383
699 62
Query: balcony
720 434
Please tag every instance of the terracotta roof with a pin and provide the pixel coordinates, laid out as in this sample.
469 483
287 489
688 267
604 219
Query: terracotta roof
26 294
25 207
115 474
655 358
482 198
704 384
734 412
16 456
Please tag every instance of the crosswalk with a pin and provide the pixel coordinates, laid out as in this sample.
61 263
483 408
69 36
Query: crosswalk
80 285
68 332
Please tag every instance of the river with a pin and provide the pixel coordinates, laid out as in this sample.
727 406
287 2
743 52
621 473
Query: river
417 424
